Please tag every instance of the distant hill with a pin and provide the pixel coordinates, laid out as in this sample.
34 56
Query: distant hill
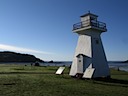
125 61
7 56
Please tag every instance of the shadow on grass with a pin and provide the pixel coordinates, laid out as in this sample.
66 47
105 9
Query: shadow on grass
18 69
27 73
112 82
8 84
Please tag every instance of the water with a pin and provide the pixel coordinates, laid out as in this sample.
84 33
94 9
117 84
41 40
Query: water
66 63
115 65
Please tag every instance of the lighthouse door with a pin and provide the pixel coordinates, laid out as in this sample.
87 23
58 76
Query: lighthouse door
80 64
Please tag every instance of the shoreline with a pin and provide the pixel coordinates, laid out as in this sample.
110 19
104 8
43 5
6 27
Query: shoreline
114 65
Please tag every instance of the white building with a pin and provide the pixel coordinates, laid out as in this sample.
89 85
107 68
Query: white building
89 50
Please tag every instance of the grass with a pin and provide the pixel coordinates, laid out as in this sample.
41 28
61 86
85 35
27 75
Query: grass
18 80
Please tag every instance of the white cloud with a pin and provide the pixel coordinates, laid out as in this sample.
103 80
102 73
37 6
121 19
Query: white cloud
19 49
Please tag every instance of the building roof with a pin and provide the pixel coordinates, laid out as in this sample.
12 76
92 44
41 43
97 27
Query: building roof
89 14
80 54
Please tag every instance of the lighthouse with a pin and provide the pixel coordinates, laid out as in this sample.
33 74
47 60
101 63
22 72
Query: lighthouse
89 60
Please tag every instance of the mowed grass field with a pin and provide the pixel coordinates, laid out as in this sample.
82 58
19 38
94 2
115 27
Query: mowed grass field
20 80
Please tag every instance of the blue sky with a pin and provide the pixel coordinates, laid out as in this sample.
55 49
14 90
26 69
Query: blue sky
44 27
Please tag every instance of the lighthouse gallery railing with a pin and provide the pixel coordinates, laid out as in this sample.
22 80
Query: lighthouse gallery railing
87 23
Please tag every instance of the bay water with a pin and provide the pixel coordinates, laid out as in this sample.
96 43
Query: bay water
112 64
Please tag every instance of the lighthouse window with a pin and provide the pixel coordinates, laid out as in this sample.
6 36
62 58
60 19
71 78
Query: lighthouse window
92 18
97 41
79 60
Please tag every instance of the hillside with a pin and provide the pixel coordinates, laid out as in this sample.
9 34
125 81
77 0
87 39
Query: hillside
125 61
7 56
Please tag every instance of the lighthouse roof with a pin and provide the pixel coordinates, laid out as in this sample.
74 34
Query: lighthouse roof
80 55
89 14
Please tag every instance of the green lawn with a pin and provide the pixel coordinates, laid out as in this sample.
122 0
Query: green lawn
17 80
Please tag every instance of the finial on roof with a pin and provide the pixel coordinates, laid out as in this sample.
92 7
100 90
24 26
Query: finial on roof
88 11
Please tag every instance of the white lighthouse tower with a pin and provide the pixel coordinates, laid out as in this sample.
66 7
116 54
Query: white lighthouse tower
89 60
